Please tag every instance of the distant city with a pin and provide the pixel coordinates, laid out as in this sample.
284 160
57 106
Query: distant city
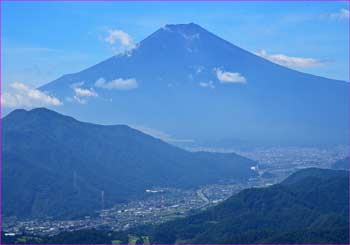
175 123
164 204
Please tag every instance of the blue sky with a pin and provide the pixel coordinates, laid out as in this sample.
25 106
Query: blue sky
42 41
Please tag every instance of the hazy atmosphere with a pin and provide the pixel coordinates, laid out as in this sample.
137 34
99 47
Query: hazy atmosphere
175 122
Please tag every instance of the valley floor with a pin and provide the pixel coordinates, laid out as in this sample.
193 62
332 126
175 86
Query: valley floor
164 204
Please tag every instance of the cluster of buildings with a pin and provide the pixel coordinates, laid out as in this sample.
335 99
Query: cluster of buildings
163 204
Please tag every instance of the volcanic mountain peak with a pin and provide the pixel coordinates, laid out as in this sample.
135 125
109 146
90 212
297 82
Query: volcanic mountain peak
172 36
186 66
190 28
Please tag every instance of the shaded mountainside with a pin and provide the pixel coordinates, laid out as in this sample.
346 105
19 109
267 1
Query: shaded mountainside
76 237
185 87
342 164
311 206
54 165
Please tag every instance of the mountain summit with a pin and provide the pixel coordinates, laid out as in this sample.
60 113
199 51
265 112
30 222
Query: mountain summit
190 83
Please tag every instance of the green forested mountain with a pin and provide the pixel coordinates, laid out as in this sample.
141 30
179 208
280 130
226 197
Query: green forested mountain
342 164
311 206
77 237
54 165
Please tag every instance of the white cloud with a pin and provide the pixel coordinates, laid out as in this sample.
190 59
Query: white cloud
118 84
23 96
290 61
229 77
209 84
81 92
342 14
119 40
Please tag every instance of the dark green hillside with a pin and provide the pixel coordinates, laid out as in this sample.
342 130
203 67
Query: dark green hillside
311 206
54 165
342 164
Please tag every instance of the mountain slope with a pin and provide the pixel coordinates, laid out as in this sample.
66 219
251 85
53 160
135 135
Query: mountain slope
342 164
311 206
54 165
185 87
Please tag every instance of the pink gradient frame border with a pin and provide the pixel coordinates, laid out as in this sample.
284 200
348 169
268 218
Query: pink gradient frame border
136 1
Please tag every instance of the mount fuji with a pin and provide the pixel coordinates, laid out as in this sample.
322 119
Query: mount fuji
192 86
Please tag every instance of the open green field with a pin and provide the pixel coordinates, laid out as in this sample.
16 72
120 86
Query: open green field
133 239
